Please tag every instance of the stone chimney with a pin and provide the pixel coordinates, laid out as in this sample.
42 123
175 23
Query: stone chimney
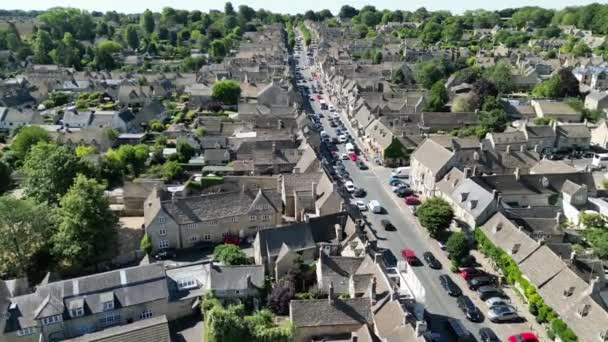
466 173
330 294
313 188
517 174
558 217
372 290
342 205
522 148
508 149
248 280
173 198
536 148
339 231
481 146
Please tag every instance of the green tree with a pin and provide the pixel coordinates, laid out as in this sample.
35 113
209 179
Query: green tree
171 170
226 91
42 46
431 33
145 244
230 22
435 214
26 138
229 9
501 76
217 50
458 247
377 57
429 72
49 171
562 84
86 231
185 151
438 97
131 158
104 52
147 21
25 228
84 150
347 12
465 103
131 36
229 254
5 177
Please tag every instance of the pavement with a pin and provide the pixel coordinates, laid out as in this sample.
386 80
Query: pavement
409 234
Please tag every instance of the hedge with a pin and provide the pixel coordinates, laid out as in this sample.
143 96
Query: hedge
512 273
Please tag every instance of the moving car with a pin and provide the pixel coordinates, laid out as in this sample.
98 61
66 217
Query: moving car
359 193
409 256
431 260
361 205
523 337
375 207
387 225
469 309
361 165
487 292
502 313
449 285
487 335
350 187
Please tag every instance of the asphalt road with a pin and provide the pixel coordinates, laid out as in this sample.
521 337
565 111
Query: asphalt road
439 304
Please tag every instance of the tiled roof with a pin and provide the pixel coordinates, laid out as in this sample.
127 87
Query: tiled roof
313 313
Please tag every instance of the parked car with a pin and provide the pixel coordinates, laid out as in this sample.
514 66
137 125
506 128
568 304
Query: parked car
502 313
477 282
352 156
395 181
350 187
375 207
343 156
387 225
458 330
342 138
487 335
412 200
497 301
523 337
165 253
431 260
361 205
469 309
359 193
404 192
398 186
449 285
486 292
469 273
409 256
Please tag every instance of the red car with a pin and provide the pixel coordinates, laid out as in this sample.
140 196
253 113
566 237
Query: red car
409 256
470 273
318 97
412 200
523 337
352 156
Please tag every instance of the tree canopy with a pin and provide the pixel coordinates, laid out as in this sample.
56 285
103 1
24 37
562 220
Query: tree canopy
226 91
435 214
229 254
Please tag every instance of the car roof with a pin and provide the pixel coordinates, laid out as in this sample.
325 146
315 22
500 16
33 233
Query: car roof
489 289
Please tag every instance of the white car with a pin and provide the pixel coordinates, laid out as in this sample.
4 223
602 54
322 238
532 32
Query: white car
496 301
343 156
342 138
361 205
398 186
350 187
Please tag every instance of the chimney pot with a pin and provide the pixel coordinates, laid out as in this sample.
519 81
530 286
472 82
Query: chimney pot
508 149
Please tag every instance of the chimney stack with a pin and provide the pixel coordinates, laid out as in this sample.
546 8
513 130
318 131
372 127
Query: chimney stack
508 149
372 290
339 231
536 148
517 173
522 148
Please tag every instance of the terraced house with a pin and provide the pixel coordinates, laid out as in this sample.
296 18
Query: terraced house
182 222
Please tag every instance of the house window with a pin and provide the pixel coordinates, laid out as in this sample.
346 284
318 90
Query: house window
253 218
193 238
107 306
265 217
163 244
235 219
207 237
110 318
265 206
26 331
145 314
213 223
162 219
185 284
51 320
77 312
162 232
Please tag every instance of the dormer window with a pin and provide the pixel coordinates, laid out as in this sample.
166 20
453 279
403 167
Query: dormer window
187 283
569 291
77 312
26 331
515 248
584 310
51 320
107 306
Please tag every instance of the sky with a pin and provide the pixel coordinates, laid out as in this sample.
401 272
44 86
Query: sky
287 6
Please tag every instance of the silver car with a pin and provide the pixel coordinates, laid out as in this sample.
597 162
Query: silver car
502 313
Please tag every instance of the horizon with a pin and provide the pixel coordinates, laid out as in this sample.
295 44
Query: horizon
287 8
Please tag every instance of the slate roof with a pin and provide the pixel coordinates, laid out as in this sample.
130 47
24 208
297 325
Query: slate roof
541 266
300 181
432 155
430 119
216 155
506 235
472 197
296 236
540 131
574 131
224 277
207 207
129 286
534 184
73 118
314 313
155 329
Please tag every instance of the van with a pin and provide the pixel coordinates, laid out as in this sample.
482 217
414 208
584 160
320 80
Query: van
349 147
375 207
401 172
600 160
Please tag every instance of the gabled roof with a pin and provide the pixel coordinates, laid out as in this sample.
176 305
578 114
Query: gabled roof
319 312
432 155
224 277
541 266
507 236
